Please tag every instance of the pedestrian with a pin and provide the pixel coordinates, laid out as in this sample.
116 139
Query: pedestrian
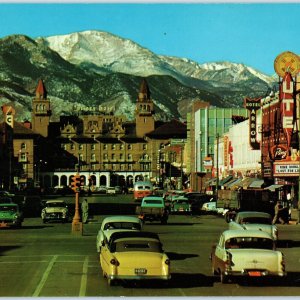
277 217
85 210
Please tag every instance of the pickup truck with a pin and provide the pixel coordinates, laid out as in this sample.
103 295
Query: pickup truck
153 209
246 253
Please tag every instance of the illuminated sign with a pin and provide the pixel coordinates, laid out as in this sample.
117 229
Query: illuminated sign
287 106
253 105
289 169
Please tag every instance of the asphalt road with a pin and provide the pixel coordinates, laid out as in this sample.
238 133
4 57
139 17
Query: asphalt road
49 260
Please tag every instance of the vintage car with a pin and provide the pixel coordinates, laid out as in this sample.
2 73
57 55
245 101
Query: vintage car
10 215
180 204
116 223
246 253
254 220
134 255
55 210
153 208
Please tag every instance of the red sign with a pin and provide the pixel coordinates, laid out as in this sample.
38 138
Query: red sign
287 106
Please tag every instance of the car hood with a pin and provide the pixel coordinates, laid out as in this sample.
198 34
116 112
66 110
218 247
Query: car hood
55 209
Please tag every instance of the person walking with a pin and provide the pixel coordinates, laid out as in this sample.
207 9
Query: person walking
277 217
85 211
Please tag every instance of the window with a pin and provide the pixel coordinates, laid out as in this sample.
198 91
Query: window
80 157
105 147
113 157
93 146
23 157
144 146
113 147
121 146
121 156
129 157
105 156
23 146
129 147
80 147
93 157
72 147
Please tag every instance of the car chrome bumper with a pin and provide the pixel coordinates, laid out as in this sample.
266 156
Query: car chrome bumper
139 277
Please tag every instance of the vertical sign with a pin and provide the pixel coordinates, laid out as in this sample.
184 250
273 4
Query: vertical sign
287 106
253 105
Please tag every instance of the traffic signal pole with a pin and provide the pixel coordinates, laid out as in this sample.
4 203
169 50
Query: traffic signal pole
76 224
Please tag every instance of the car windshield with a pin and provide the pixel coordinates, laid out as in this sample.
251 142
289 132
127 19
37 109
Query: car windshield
249 243
56 204
153 201
255 220
122 225
8 208
136 245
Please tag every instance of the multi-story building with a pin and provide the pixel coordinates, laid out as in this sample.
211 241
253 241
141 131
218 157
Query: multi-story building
210 123
104 148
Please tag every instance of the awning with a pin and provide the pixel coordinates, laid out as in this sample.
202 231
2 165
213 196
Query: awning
232 182
256 183
211 182
274 187
223 181
246 182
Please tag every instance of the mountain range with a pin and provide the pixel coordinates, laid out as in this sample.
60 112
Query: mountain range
97 69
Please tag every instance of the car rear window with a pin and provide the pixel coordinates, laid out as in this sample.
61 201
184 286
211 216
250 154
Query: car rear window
122 225
249 243
127 246
255 220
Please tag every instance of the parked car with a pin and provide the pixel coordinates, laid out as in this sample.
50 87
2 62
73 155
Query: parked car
10 215
254 220
114 224
55 210
246 253
209 207
133 255
111 190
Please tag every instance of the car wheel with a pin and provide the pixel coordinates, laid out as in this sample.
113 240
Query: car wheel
223 277
44 221
110 282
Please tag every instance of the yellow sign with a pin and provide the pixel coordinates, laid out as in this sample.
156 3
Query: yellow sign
287 62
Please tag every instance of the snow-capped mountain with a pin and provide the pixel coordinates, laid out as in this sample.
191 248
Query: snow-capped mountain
95 68
115 54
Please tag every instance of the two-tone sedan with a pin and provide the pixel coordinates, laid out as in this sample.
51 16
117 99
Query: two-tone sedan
254 220
115 224
246 253
134 256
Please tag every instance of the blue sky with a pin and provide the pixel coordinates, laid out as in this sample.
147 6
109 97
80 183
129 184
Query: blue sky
253 34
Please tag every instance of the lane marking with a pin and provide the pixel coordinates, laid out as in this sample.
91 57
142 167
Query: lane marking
45 277
83 282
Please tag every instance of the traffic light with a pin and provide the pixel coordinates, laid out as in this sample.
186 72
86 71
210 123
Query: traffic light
75 184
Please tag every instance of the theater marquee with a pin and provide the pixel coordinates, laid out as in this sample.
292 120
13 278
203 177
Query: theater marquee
286 169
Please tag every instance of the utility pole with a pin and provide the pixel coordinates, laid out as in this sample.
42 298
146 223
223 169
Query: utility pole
217 153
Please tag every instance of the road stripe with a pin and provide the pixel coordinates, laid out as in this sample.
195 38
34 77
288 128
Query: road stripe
45 277
83 282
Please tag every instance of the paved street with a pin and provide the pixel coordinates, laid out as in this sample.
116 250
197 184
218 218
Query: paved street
48 260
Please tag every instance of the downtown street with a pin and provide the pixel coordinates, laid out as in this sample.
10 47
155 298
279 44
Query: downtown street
49 260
